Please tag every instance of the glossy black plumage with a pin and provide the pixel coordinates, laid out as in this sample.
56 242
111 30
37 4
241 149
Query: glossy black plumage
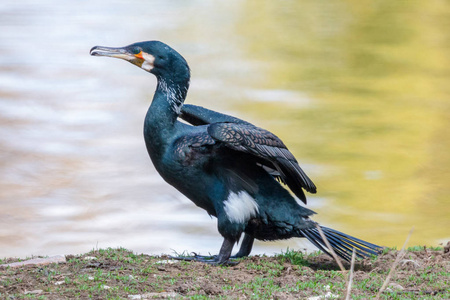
225 165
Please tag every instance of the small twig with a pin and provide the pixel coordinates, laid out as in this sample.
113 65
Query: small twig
350 279
400 255
336 258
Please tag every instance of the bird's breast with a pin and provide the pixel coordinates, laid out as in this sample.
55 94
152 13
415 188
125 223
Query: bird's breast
185 170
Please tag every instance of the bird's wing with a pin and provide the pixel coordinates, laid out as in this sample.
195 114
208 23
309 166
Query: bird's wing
197 115
197 149
267 148
243 136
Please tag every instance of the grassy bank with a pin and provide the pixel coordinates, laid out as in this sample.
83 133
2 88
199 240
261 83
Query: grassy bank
423 273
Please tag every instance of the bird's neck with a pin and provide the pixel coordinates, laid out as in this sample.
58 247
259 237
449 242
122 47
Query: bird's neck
159 126
171 93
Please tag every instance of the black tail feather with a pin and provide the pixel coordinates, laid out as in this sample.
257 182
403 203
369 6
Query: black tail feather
315 242
318 239
341 243
346 245
337 246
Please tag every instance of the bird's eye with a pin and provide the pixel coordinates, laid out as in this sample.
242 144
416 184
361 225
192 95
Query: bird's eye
136 50
162 57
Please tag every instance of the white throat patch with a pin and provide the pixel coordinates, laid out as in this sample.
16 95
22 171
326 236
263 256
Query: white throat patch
147 65
240 207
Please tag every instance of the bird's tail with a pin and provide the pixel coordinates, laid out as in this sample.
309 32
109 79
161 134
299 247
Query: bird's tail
341 243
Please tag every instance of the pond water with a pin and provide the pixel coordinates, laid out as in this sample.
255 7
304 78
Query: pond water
358 90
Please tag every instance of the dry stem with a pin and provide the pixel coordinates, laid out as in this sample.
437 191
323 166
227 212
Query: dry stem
350 279
336 258
400 255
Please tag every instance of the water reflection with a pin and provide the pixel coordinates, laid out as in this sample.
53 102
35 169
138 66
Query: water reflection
377 73
357 90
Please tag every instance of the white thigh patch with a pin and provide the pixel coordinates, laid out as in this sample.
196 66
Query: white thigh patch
240 207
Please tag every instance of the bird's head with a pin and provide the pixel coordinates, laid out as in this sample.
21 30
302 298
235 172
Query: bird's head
152 56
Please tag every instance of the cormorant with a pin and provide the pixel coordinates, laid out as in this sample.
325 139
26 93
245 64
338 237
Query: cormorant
227 166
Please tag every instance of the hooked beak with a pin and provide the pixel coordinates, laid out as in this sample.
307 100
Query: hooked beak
112 52
141 59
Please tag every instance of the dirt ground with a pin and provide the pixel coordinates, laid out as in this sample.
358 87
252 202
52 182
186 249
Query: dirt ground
120 274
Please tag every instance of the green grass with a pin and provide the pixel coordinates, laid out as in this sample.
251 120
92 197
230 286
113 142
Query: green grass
420 248
291 273
295 257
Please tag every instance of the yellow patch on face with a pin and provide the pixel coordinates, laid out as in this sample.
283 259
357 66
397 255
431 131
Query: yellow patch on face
139 55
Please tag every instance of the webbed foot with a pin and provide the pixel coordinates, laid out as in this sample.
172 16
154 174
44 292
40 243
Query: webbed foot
208 259
223 259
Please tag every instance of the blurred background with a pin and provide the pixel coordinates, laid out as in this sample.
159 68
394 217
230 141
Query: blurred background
358 90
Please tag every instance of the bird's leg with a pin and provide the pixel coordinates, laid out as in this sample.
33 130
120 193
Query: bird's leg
225 252
246 247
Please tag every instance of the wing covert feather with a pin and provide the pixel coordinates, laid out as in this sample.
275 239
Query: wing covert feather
197 115
267 146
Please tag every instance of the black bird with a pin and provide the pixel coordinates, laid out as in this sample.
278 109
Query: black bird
227 166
